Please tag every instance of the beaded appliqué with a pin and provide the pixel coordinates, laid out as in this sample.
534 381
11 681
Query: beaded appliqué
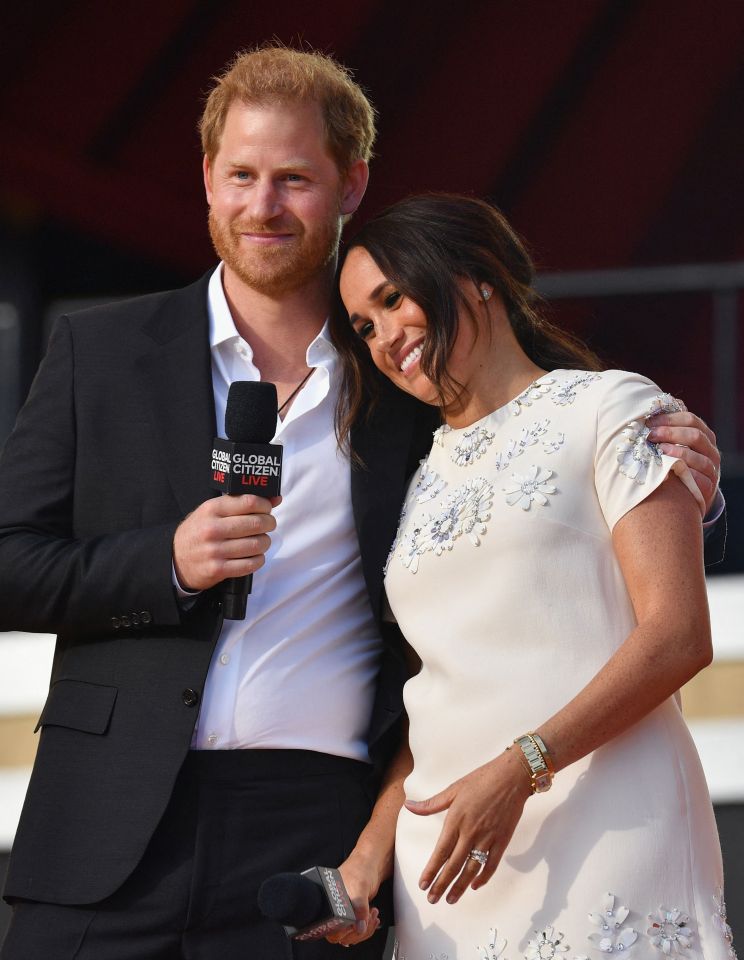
635 451
429 484
465 513
611 937
664 403
547 944
721 923
527 438
438 436
553 446
494 948
566 392
472 446
529 487
525 399
669 931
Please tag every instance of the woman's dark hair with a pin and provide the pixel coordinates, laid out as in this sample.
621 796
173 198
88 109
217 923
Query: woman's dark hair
426 245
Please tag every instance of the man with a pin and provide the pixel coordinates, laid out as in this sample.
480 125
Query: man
182 759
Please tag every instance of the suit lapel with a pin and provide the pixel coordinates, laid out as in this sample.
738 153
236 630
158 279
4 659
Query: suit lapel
176 373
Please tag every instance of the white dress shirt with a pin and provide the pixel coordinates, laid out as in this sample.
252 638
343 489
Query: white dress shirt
300 671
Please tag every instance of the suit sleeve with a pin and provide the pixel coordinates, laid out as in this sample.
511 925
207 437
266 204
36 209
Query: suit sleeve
51 581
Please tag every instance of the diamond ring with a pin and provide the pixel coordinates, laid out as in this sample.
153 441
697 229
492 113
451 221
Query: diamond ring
480 856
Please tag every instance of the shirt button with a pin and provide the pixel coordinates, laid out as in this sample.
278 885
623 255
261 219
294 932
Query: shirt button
190 697
212 739
224 659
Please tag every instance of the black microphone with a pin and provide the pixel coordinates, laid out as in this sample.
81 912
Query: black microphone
309 905
247 462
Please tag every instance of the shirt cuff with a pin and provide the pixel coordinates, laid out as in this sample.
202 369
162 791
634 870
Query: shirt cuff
184 595
716 510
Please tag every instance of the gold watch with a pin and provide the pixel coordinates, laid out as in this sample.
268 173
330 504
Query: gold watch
537 760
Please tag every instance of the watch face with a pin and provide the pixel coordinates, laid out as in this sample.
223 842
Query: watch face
542 782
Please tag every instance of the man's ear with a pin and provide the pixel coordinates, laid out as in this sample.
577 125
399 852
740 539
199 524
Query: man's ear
354 185
207 179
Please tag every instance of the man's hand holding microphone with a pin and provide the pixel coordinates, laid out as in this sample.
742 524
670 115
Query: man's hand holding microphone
225 539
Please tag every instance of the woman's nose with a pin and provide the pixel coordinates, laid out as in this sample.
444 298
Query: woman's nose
388 335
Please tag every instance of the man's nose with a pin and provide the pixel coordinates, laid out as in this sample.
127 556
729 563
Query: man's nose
265 201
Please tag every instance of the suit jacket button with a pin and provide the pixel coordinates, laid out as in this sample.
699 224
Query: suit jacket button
115 623
190 697
146 616
126 622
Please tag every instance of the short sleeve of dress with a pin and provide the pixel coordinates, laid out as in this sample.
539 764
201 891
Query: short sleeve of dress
628 467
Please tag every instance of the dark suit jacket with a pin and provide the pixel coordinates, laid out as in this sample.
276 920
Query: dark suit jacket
110 452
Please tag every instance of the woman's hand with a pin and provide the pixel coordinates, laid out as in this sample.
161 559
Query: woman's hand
689 438
362 881
483 810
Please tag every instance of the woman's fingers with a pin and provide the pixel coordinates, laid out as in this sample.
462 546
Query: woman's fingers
470 870
489 867
450 870
441 853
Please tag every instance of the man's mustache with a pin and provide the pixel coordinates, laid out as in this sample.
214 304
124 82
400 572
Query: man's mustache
263 228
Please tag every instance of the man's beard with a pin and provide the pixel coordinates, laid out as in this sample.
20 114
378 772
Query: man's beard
277 269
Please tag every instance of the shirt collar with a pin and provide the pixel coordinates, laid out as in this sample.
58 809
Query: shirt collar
320 352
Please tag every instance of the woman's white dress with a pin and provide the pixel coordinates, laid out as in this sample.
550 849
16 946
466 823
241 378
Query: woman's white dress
504 580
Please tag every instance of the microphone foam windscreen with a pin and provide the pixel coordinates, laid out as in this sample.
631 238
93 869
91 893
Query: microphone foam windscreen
291 899
250 416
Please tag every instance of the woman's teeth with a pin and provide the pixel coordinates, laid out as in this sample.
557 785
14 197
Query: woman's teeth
410 357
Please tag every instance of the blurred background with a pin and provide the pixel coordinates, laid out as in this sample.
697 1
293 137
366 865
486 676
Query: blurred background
610 132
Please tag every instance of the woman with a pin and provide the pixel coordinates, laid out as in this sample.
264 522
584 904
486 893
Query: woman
551 583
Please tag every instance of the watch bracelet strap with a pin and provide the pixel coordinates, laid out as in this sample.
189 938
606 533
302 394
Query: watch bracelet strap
536 760
540 744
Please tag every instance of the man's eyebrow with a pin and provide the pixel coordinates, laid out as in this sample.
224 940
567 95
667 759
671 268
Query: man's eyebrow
297 164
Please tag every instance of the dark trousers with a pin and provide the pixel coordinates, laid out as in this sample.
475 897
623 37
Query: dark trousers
235 818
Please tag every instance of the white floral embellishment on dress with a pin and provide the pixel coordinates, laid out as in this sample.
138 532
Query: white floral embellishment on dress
525 399
546 945
527 438
566 393
664 403
610 938
669 931
635 451
494 948
720 921
439 433
554 445
429 484
465 512
472 446
529 487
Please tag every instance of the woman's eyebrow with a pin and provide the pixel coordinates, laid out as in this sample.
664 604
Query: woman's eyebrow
372 297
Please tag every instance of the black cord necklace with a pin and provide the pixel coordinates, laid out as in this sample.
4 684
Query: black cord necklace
297 389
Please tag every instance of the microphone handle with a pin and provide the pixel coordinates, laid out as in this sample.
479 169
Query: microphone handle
235 592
